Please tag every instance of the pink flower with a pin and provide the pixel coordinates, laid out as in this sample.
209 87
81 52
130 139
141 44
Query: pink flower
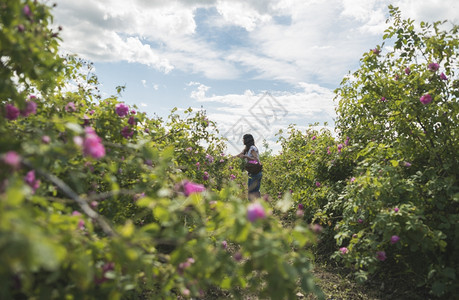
425 99
91 112
12 159
205 176
45 139
31 180
328 150
133 112
224 244
317 184
396 209
360 221
347 141
376 51
381 255
76 213
26 10
407 71
127 132
396 77
443 76
407 164
191 188
352 179
232 177
122 110
21 28
70 107
316 228
237 256
31 108
131 121
147 130
340 146
394 239
81 224
314 137
343 250
383 99
255 211
210 158
300 206
198 165
253 162
189 149
433 67
12 112
92 144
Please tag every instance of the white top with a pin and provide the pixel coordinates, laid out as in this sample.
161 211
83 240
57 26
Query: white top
249 154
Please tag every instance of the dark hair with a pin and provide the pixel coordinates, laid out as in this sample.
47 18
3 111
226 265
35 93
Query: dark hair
248 141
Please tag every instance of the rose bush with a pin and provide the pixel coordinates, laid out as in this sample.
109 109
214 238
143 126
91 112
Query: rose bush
100 201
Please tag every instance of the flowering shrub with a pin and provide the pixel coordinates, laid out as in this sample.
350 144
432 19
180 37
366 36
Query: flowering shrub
99 201
385 190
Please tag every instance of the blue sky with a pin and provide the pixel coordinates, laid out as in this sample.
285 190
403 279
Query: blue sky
254 66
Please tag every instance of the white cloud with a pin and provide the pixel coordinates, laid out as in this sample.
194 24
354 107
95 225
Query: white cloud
322 41
265 113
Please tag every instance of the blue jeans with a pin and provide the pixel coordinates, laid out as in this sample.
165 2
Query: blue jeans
254 184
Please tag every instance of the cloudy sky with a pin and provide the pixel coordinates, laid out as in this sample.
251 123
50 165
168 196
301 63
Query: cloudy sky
254 66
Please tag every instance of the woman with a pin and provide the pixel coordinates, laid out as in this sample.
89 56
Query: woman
250 153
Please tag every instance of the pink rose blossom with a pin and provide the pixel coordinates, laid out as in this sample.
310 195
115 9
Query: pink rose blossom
69 107
443 76
255 211
340 146
426 99
314 137
127 132
122 110
30 109
407 164
191 188
232 177
92 144
347 141
81 225
396 209
407 71
205 176
198 165
237 256
343 250
133 112
383 99
26 10
21 28
394 239
45 139
12 159
360 221
376 51
31 180
224 244
352 179
12 112
381 255
189 149
316 228
131 121
328 150
91 112
300 206
76 213
433 67
317 184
